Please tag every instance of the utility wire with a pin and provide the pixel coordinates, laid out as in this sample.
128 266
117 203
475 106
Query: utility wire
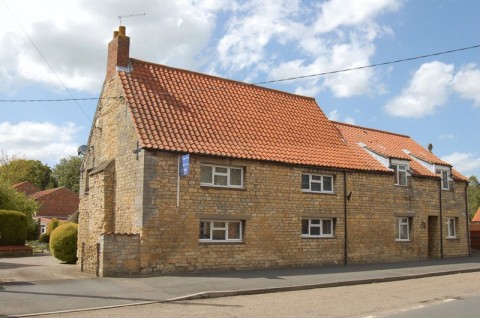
46 62
369 66
258 83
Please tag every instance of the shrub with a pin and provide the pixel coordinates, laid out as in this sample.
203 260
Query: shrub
63 242
13 228
54 223
44 238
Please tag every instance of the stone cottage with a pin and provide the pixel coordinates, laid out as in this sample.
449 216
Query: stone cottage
189 172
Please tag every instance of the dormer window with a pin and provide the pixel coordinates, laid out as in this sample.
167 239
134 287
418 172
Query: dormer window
400 176
445 175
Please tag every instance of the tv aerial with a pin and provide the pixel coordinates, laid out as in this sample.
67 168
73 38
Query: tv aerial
120 17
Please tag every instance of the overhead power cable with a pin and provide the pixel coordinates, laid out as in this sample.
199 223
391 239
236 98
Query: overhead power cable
369 66
258 83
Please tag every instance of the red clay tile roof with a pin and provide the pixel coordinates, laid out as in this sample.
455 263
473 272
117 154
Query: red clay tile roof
183 111
476 217
26 187
58 202
393 145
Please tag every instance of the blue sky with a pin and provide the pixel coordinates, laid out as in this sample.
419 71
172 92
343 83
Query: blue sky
57 49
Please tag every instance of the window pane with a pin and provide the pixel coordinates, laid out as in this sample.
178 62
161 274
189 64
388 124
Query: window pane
206 174
234 230
327 227
221 170
317 178
204 230
316 187
218 235
219 225
328 184
314 221
220 180
314 230
305 226
305 182
402 178
451 227
235 177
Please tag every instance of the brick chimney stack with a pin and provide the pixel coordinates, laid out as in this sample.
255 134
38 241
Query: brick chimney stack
118 53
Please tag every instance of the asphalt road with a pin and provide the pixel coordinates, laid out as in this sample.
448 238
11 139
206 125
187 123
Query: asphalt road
443 296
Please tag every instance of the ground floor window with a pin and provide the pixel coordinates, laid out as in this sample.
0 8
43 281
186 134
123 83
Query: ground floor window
403 228
43 229
221 231
317 227
451 228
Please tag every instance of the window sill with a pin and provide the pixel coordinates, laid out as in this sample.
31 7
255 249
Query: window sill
453 238
221 243
402 241
317 192
205 186
317 237
401 185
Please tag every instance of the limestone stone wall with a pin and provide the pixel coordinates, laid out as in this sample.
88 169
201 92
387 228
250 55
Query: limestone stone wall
110 184
119 254
272 205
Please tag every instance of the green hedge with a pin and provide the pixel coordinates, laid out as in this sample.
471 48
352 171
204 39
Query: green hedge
13 228
63 242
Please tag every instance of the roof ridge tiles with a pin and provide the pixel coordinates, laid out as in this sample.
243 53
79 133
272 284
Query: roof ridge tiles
371 129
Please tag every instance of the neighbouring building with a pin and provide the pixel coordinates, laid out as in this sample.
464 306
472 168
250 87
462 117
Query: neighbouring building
475 231
59 203
189 172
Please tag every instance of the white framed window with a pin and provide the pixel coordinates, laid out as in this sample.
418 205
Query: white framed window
43 229
317 227
445 175
451 228
400 176
221 231
221 176
403 229
317 183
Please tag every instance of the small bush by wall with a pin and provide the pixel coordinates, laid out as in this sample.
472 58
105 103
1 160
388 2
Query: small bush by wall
13 228
63 242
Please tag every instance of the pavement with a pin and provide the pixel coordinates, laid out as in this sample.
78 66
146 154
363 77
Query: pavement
40 284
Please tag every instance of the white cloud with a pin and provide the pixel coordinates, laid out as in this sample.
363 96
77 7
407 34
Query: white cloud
336 13
334 115
463 162
467 83
45 141
72 36
427 91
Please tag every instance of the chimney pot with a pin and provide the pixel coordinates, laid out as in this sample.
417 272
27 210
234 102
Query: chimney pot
115 34
121 30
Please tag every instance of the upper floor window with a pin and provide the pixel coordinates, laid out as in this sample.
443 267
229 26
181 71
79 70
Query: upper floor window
400 176
221 176
445 176
317 228
317 183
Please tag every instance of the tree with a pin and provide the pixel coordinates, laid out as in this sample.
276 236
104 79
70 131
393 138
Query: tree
473 195
20 170
67 173
12 200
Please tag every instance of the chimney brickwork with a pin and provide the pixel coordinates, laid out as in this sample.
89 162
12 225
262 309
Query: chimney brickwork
118 53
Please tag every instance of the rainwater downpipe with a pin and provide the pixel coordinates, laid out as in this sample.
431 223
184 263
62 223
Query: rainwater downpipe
467 219
345 256
441 218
